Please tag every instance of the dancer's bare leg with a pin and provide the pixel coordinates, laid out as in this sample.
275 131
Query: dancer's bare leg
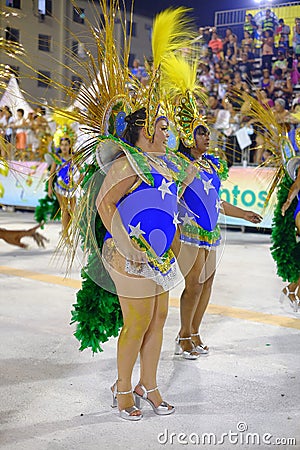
191 294
137 296
67 206
137 315
151 348
206 281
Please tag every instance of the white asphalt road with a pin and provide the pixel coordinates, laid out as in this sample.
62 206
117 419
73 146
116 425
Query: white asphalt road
54 397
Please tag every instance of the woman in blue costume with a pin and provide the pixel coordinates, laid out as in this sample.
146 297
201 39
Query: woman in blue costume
199 208
290 211
200 236
63 184
139 213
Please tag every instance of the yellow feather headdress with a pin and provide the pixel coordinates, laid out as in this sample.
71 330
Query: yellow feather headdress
172 31
181 88
275 134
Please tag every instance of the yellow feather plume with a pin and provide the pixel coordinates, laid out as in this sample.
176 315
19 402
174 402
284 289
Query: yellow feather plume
172 30
179 76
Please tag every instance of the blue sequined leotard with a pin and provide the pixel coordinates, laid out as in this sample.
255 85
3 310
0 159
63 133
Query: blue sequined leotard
148 213
200 204
64 183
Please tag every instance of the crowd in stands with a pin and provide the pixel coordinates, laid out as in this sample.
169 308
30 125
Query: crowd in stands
265 64
24 137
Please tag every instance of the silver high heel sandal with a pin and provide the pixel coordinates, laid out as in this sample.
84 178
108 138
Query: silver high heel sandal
127 412
162 409
186 354
202 349
293 304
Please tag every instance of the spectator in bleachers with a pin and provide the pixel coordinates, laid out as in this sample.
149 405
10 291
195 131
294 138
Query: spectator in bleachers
266 81
230 58
216 46
267 50
296 36
280 112
283 31
280 63
292 67
263 98
250 25
282 45
228 33
19 127
248 40
249 52
283 87
246 68
214 105
258 41
269 23
206 78
232 45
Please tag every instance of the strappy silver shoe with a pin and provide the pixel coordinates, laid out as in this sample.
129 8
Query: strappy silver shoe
294 304
202 349
127 412
186 354
162 410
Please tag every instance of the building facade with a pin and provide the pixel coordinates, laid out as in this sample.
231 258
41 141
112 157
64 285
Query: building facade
56 37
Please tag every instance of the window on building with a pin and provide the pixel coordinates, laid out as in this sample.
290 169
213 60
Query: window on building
78 15
74 48
44 43
76 83
131 58
132 29
48 7
44 78
13 3
12 34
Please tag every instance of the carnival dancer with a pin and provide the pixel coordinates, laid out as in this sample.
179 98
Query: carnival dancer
199 211
290 211
285 247
62 182
137 204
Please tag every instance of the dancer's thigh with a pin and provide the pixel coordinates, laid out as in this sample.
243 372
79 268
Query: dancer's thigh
127 285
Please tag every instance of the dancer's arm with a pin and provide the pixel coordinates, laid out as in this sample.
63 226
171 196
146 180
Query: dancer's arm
235 211
294 189
50 180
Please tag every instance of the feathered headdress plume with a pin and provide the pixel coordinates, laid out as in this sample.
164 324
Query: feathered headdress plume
172 31
180 84
275 134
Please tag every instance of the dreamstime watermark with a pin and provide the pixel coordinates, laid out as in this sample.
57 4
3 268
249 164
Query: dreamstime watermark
239 437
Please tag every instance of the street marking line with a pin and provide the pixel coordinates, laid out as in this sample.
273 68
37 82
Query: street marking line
46 278
246 314
228 311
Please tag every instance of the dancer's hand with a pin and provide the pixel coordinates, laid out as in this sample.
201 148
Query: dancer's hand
130 250
285 206
252 216
191 172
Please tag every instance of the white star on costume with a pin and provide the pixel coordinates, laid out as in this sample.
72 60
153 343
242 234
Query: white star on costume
176 220
187 220
164 188
207 185
218 204
136 230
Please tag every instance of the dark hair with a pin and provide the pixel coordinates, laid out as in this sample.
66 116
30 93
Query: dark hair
65 139
20 110
135 122
186 150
